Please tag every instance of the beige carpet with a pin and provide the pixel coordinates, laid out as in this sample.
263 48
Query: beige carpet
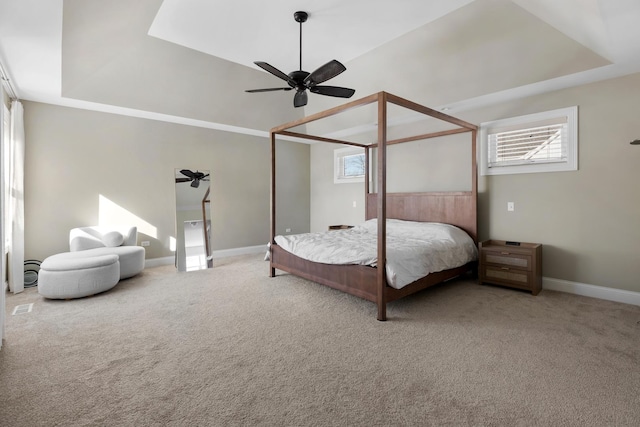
231 346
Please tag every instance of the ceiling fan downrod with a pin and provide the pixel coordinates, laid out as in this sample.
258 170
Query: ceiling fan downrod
300 17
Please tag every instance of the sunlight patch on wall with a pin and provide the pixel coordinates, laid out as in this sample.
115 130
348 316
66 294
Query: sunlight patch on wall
110 213
172 243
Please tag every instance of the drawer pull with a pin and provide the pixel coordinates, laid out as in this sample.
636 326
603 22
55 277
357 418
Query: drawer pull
504 268
504 253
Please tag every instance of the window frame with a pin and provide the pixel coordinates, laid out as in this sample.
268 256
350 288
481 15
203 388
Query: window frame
571 162
339 155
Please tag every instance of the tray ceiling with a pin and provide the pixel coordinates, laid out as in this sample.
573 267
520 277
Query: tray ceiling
189 61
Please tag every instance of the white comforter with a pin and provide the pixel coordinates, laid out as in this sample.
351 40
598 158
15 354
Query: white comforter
414 249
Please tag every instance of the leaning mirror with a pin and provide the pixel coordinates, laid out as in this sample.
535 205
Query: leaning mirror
193 220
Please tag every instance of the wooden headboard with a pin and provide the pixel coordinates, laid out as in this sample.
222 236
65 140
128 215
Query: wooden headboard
457 208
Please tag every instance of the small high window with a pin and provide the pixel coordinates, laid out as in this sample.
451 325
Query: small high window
542 142
349 165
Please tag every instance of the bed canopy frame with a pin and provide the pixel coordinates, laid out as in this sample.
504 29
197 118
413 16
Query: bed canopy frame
458 207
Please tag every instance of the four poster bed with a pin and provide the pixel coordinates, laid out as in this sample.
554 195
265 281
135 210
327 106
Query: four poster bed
457 209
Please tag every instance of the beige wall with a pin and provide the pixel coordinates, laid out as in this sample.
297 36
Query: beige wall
292 187
411 167
586 220
118 63
84 167
332 203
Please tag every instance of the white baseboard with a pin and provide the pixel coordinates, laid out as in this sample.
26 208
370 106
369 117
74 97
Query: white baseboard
223 253
609 294
157 262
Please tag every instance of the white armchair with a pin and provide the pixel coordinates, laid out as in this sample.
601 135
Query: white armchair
99 258
102 240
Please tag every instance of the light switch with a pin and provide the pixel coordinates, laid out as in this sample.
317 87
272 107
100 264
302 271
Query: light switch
511 206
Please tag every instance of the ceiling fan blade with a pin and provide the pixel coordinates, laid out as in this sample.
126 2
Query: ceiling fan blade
268 90
340 92
187 172
324 73
273 70
300 98
183 179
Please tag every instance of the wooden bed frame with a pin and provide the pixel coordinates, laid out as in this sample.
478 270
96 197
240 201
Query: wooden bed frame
458 208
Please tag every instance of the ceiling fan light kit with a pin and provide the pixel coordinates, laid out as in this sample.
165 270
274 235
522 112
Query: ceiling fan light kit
301 80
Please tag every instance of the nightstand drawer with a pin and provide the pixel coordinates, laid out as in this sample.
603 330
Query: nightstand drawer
507 275
508 259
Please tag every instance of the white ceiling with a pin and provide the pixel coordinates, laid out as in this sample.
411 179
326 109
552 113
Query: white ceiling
377 40
267 31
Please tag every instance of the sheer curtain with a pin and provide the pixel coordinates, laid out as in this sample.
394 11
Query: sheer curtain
15 204
4 136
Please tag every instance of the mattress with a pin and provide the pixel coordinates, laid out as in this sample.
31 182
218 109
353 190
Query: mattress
414 249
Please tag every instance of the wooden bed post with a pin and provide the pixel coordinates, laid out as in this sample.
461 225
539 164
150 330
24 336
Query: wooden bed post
207 243
367 177
474 182
382 206
272 272
367 153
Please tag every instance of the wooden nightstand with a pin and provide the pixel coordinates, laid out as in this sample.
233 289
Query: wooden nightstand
339 227
516 266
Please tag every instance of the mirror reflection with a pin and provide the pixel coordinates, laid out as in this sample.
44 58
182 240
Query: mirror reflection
193 220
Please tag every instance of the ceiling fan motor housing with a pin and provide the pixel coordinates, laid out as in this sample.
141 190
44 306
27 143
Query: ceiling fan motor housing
298 78
300 16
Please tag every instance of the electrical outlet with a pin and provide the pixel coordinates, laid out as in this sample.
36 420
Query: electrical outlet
511 206
354 203
287 230
145 243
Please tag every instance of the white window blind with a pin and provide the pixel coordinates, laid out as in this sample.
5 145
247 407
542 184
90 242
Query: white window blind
542 142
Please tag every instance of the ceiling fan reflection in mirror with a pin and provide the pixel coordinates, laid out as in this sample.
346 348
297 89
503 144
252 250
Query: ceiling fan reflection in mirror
302 80
193 177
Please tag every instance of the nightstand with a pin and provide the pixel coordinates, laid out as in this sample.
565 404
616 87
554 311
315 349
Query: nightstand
514 265
339 227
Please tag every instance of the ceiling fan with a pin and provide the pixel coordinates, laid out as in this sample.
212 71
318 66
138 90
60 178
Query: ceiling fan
302 80
194 177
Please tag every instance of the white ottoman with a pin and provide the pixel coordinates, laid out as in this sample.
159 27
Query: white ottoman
131 257
62 277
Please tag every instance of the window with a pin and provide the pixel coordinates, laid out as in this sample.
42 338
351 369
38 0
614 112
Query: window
542 142
349 165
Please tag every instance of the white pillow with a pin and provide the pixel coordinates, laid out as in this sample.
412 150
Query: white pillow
416 230
112 239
